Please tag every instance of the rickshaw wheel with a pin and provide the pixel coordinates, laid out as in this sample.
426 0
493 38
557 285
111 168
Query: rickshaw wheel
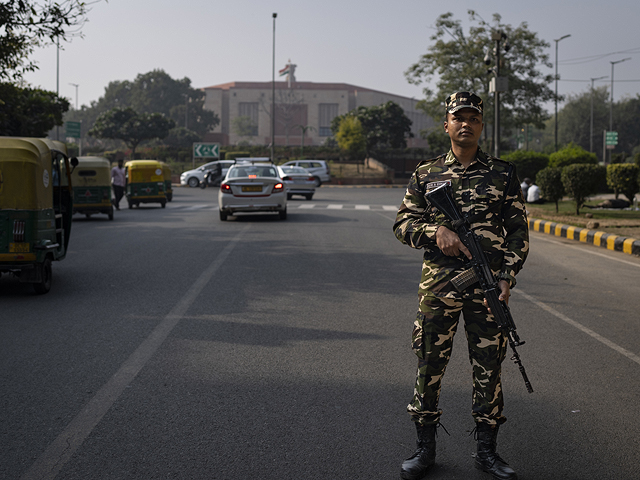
45 285
163 204
111 214
130 204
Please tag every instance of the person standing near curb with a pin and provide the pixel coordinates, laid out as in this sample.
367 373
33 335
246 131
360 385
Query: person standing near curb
118 183
486 191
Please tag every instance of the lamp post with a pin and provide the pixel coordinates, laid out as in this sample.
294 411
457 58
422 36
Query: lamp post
75 85
273 91
611 102
556 133
498 84
591 129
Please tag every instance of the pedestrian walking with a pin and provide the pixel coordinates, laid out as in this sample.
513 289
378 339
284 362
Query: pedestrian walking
118 182
487 191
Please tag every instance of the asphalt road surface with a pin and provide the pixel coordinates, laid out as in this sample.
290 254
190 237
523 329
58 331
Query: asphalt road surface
176 346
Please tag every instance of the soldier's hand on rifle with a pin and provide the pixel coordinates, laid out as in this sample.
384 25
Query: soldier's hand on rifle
503 285
450 244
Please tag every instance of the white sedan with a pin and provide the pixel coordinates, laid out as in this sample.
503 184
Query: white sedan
252 187
298 181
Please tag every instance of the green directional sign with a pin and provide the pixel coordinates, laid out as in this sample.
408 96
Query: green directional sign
206 150
73 129
611 138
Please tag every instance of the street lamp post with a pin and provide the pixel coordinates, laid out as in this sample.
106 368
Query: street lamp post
75 85
273 91
611 102
556 133
591 123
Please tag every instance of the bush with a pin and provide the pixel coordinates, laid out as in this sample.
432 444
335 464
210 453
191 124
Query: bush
581 180
550 182
570 155
528 163
623 178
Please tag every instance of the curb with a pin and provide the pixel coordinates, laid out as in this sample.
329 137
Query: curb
594 237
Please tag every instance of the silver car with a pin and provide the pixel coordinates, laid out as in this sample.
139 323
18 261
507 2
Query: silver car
298 181
252 187
319 168
194 177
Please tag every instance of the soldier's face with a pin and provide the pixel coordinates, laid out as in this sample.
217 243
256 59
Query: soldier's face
464 126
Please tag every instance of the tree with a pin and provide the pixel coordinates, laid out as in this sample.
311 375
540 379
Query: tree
528 163
27 24
130 127
384 126
181 137
244 126
571 154
350 136
574 119
456 59
623 178
581 180
550 182
29 112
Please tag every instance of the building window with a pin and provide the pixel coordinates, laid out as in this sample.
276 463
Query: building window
250 111
328 111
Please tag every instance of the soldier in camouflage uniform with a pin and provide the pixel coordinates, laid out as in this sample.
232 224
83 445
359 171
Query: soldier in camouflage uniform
487 191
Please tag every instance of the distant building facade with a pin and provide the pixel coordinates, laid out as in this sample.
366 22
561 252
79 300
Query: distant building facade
244 109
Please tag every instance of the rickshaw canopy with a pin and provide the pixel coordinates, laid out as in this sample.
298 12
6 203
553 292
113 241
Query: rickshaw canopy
91 171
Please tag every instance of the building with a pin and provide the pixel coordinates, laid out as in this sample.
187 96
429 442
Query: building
302 108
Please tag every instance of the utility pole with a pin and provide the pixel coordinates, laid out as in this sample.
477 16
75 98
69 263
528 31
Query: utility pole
273 92
611 104
591 129
498 84
556 133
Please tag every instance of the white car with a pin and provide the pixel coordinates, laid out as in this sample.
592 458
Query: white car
298 181
319 168
195 176
252 187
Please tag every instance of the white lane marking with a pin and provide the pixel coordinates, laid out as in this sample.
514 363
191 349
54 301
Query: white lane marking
334 206
630 355
581 247
363 207
307 206
57 454
389 207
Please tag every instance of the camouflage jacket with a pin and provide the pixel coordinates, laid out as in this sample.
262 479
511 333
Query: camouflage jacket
476 189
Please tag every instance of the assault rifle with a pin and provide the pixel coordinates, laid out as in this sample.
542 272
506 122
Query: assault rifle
478 271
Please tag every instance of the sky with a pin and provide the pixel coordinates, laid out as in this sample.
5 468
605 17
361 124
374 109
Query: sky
368 43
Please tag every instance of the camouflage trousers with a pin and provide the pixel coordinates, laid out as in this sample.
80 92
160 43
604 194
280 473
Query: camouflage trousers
432 341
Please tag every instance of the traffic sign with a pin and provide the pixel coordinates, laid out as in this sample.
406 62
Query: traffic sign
73 129
206 150
611 138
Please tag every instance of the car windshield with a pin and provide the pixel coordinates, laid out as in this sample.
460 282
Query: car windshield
252 171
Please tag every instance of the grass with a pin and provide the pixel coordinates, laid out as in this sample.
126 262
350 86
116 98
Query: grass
625 223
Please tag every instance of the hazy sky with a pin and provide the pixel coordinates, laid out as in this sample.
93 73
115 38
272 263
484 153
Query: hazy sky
369 43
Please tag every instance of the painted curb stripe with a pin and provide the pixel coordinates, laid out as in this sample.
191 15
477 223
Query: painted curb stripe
609 241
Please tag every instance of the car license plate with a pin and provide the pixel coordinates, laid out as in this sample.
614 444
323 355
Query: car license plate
252 188
19 247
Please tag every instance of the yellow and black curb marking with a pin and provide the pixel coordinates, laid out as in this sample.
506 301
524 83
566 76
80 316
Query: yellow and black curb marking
599 239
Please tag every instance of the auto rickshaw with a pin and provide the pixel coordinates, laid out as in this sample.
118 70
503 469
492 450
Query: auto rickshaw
91 181
145 182
168 189
36 205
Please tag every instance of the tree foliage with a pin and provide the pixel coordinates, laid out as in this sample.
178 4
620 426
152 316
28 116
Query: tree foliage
384 126
574 119
580 180
29 112
350 136
131 127
571 154
456 60
623 178
528 163
549 180
27 24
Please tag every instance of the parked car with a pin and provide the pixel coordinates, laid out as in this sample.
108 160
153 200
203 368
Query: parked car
195 176
319 168
298 181
252 187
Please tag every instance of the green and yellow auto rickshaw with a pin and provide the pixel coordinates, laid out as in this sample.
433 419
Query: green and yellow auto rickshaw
168 189
36 205
91 181
145 182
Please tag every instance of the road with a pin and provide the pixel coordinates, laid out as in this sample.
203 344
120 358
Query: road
173 345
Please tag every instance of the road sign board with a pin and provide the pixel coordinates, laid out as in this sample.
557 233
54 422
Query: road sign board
611 138
73 129
206 150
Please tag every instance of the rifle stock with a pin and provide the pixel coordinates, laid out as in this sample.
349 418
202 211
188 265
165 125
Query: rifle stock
442 199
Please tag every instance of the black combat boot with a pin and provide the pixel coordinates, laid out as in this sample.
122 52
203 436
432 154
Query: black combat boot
417 465
487 459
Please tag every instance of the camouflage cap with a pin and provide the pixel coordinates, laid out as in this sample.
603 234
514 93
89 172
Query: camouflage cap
458 100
